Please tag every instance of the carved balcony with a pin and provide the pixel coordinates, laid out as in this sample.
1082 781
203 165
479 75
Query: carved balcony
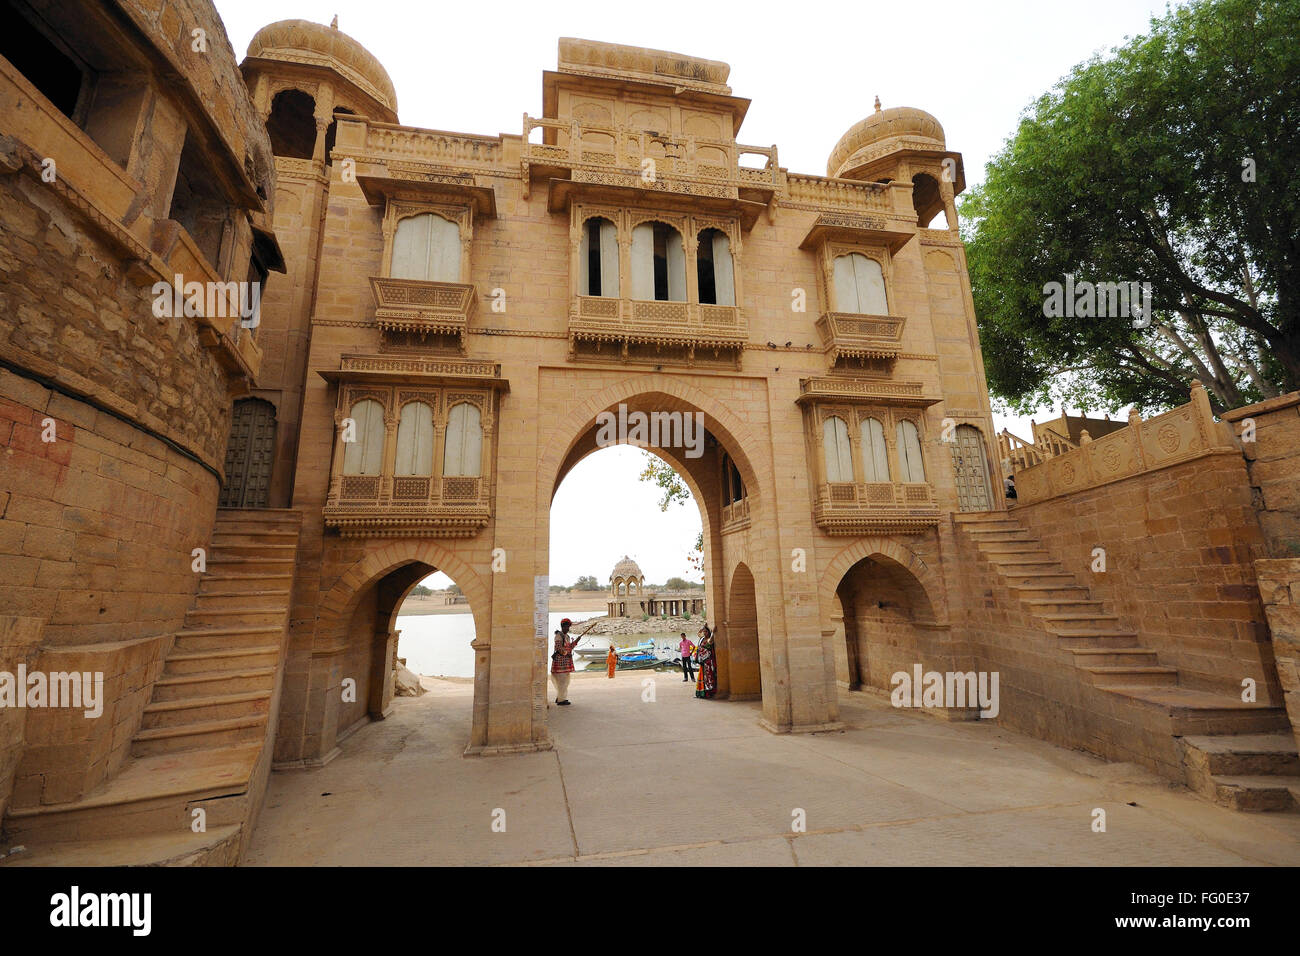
427 308
849 335
857 508
635 327
410 506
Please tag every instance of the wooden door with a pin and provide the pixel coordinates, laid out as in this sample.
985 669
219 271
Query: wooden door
249 455
970 466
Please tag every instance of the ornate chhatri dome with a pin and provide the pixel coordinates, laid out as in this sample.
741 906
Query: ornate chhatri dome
881 133
627 568
301 41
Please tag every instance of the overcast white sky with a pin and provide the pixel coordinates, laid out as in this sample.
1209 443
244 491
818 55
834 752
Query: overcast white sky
812 71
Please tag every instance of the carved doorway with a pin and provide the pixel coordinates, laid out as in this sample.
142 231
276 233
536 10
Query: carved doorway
249 455
971 469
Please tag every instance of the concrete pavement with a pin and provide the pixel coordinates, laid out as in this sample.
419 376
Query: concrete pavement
681 781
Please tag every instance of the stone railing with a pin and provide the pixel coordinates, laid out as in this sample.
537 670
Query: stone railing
735 515
849 194
605 150
853 508
850 335
1178 435
455 149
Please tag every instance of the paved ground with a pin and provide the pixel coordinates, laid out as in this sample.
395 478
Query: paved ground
686 781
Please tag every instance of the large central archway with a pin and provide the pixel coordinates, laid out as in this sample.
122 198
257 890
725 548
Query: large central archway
746 662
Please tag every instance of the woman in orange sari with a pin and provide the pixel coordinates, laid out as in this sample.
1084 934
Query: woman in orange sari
611 661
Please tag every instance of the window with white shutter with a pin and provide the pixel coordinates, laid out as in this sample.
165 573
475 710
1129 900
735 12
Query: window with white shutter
365 455
415 440
835 444
462 455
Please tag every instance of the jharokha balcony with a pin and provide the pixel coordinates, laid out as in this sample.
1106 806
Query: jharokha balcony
426 308
407 506
855 508
848 335
656 328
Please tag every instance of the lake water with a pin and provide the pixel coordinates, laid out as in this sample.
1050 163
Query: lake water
438 644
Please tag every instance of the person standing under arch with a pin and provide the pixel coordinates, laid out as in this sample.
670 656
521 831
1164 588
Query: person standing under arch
562 662
707 685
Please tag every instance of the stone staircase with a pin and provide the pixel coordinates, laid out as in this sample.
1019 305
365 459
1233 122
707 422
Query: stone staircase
1237 754
205 738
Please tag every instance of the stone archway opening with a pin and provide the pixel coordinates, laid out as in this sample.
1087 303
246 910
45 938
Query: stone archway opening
889 625
725 489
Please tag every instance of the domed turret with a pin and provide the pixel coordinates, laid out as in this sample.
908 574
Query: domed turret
315 45
881 133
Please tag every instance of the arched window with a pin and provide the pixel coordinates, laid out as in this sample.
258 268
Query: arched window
927 200
909 452
415 440
658 263
365 454
714 267
292 124
622 587
835 442
860 285
463 454
426 247
331 131
875 457
598 258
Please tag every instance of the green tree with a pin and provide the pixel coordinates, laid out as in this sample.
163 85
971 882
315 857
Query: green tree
664 476
1170 161
421 591
587 583
676 584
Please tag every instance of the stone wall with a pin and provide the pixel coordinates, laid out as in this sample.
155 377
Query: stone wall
1279 587
1273 462
19 640
96 534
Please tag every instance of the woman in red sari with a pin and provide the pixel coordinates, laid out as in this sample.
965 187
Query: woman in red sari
706 686
611 661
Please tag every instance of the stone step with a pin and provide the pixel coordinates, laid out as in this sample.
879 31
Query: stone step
1245 754
237 658
191 711
1125 675
208 735
270 535
149 794
1114 657
1019 576
1013 550
213 682
218 846
1103 621
248 565
1051 592
254 549
232 579
1199 712
250 598
1005 537
208 617
1116 641
1257 792
1062 631
1049 605
1011 564
227 638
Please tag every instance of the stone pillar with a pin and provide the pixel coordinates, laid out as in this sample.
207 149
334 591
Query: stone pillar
383 662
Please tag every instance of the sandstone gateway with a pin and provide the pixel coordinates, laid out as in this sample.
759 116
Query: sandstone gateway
222 515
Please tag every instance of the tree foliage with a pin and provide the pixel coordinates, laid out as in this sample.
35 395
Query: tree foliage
1169 161
662 475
